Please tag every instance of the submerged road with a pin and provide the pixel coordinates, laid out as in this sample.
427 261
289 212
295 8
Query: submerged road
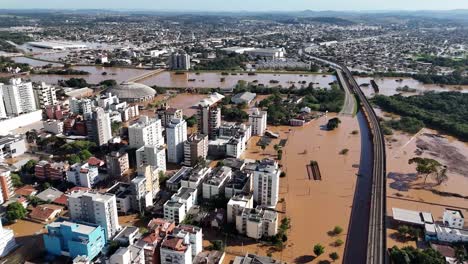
369 204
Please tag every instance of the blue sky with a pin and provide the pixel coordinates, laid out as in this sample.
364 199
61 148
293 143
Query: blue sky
240 5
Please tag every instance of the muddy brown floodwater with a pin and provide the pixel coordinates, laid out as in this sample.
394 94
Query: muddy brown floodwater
406 189
388 86
213 79
95 76
314 207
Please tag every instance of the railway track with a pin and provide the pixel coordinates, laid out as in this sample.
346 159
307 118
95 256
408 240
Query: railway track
376 239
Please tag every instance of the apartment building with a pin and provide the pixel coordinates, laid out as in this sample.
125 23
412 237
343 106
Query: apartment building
95 208
176 134
53 126
6 185
195 237
151 175
145 132
258 121
72 239
214 184
236 205
44 95
176 249
166 114
55 171
180 204
209 115
180 61
257 223
83 174
7 240
195 147
18 97
117 163
154 156
82 106
195 178
98 126
266 183
239 183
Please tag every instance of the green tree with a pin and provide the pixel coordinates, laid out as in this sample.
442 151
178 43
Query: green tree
425 166
191 121
333 123
217 245
115 127
319 249
16 180
74 158
29 167
334 256
339 242
85 155
15 211
403 230
337 230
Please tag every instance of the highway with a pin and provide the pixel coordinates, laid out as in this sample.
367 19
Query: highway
376 252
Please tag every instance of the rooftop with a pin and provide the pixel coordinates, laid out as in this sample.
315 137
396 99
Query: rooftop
413 217
211 100
49 194
78 228
131 91
218 175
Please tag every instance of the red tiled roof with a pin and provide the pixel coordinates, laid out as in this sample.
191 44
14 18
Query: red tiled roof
93 161
61 200
44 212
26 190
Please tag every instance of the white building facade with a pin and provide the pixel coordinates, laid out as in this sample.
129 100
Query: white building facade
95 208
266 183
176 133
258 121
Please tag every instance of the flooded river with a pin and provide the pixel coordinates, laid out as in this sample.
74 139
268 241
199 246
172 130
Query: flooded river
389 85
216 79
96 74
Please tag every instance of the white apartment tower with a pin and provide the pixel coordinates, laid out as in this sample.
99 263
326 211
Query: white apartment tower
99 127
95 208
3 113
258 120
7 241
176 134
154 156
145 132
266 183
18 97
44 95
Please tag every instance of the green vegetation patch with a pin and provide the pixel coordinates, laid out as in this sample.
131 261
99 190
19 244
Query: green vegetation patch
446 111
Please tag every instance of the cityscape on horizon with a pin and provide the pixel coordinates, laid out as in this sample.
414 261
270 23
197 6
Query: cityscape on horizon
281 134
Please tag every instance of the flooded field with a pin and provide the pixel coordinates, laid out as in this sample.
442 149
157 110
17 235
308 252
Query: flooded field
406 189
214 80
186 102
314 207
96 74
389 85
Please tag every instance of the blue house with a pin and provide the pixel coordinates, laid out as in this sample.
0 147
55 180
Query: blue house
73 239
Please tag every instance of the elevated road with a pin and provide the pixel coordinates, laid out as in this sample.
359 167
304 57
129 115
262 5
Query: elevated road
376 252
145 75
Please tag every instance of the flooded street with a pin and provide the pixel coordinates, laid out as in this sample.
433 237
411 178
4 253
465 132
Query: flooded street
389 85
213 79
314 207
